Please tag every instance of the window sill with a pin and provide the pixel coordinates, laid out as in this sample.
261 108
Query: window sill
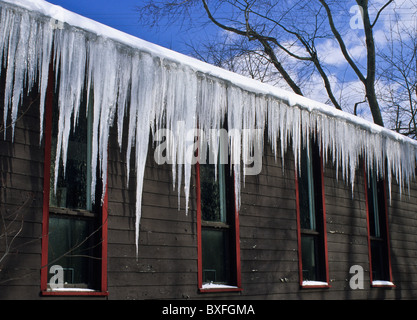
382 284
314 284
213 287
73 292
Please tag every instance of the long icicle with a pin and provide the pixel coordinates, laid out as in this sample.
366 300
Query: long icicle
154 91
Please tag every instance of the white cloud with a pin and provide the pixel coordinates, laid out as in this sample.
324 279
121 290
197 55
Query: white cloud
330 53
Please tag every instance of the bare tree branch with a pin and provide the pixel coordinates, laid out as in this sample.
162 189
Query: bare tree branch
380 11
341 42
3 128
252 35
293 36
7 232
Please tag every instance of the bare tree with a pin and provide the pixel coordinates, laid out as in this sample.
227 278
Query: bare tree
235 54
11 225
30 103
369 79
284 29
398 78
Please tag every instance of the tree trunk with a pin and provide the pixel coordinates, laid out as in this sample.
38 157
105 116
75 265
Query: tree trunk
373 104
371 65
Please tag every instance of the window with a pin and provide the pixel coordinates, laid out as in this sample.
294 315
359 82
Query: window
378 243
74 229
312 247
218 228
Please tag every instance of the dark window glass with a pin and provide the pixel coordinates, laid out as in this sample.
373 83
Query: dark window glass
377 229
216 255
73 241
311 215
306 191
73 186
309 248
72 245
213 193
217 223
379 260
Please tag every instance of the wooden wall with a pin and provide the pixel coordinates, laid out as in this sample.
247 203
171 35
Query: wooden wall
21 194
166 265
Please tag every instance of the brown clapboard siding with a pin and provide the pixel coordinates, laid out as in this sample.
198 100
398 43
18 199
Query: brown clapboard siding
167 254
166 264
21 180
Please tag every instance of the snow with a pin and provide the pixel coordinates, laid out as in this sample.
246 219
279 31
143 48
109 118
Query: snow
382 283
145 87
308 283
71 290
217 286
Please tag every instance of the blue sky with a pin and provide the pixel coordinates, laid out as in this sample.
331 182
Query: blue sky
122 15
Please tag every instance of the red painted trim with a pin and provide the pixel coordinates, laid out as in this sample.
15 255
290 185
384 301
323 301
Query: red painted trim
75 293
45 210
323 202
387 232
300 256
367 222
199 244
104 218
325 286
46 177
237 246
220 290
383 285
300 260
369 234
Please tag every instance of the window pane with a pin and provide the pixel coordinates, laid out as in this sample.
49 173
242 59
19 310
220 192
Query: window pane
374 221
215 251
379 260
71 248
377 228
310 257
73 188
306 192
213 193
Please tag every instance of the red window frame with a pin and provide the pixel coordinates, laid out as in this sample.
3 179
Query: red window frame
325 251
200 250
45 217
387 239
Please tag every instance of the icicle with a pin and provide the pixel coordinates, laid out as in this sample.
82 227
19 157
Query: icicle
11 42
71 61
191 123
44 56
153 91
144 111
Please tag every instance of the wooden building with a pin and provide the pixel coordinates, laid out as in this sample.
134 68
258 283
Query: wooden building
301 230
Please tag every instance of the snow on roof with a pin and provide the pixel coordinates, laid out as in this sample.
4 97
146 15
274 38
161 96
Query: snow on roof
163 88
76 20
